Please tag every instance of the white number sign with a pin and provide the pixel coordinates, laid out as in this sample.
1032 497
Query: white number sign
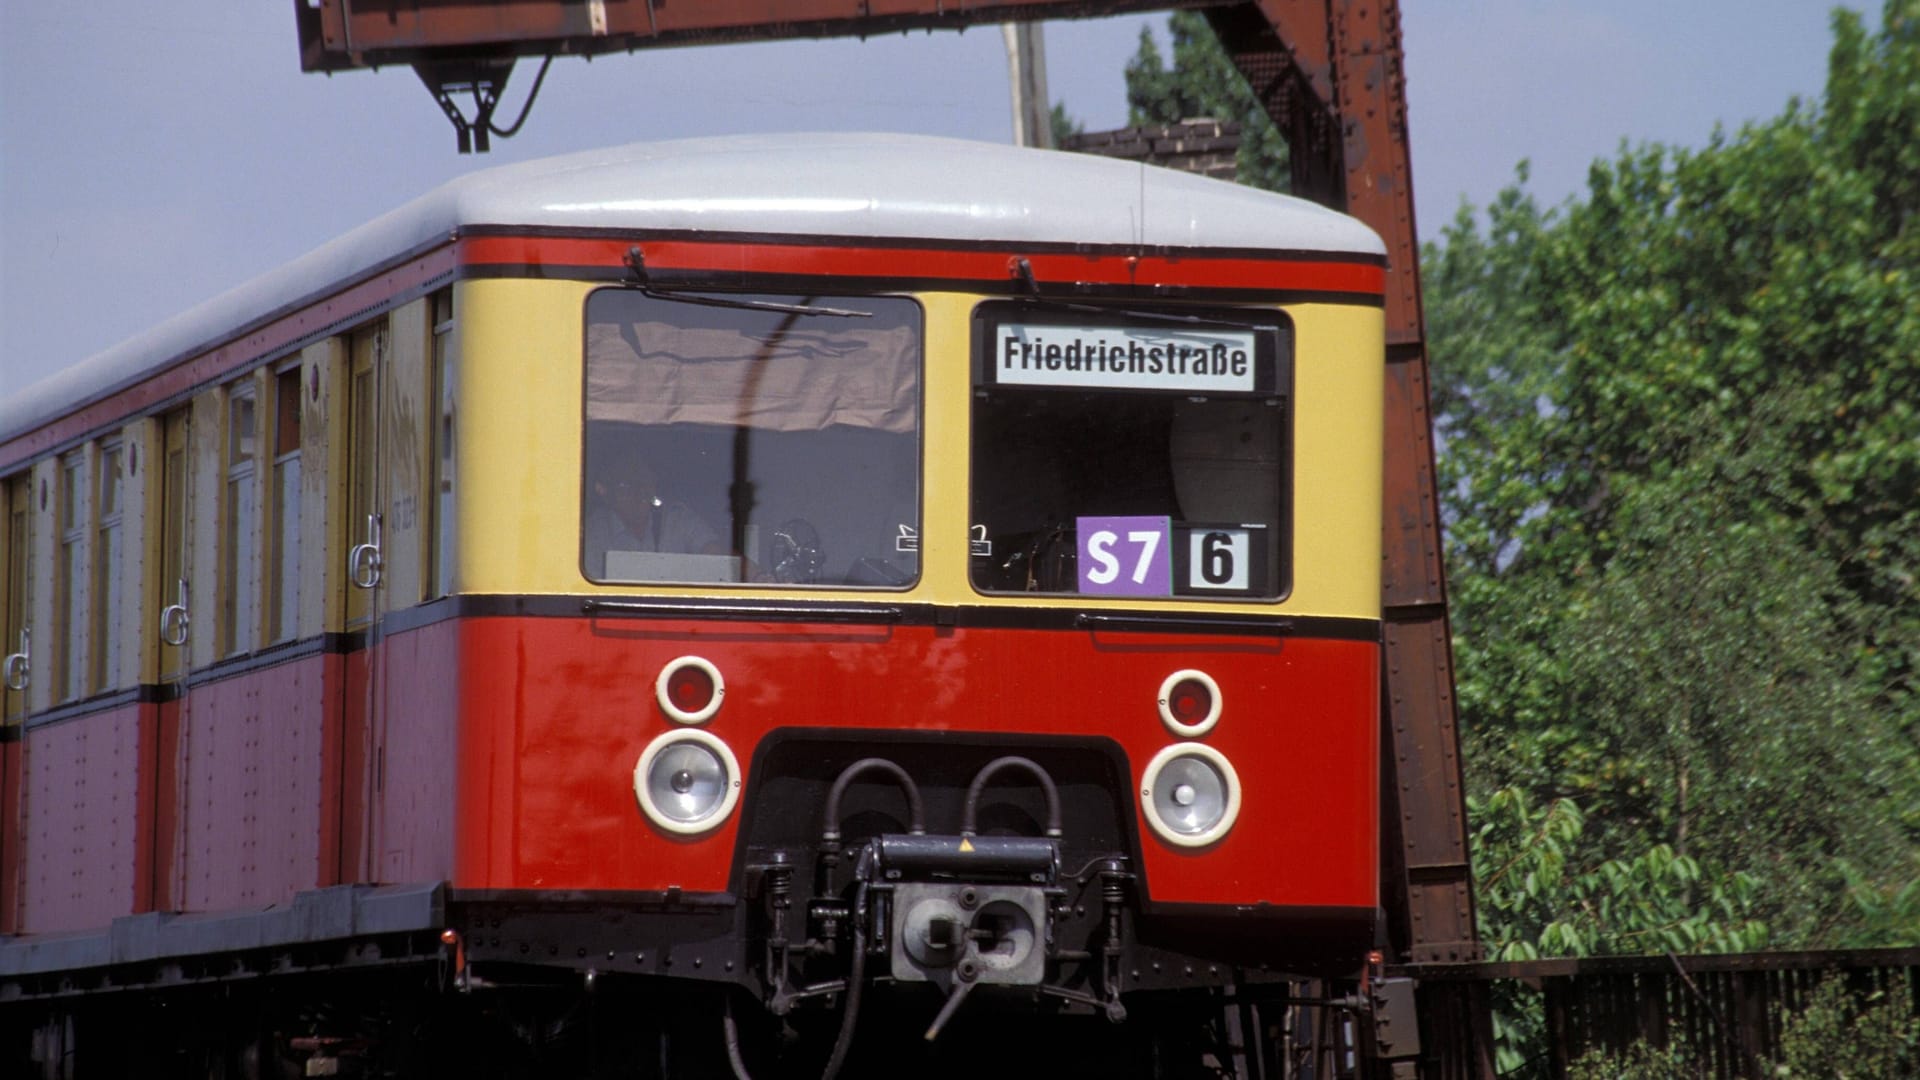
1218 559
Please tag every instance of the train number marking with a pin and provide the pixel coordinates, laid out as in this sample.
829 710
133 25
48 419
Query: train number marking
1126 556
404 512
1218 559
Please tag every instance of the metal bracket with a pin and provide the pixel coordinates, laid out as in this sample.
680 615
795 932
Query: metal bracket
1396 1023
485 80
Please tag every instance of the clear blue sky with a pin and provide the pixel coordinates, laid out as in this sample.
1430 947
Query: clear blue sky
154 155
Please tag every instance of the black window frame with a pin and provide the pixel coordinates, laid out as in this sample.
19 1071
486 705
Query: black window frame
747 297
1275 361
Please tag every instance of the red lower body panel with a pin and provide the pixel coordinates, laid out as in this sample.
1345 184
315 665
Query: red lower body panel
392 809
11 752
252 765
411 804
497 752
239 794
79 821
556 713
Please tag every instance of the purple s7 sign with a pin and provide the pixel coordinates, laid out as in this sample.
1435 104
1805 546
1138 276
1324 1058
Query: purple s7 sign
1126 556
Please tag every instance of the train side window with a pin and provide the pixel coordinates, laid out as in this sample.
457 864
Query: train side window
15 643
367 361
174 541
239 567
109 566
762 439
445 384
71 584
283 557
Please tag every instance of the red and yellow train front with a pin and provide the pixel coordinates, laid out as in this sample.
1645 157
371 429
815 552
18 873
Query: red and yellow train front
1116 516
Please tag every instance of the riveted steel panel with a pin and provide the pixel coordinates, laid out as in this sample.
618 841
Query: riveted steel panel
413 802
11 840
78 819
251 791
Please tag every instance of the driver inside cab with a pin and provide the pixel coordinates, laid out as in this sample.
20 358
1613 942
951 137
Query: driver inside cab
628 513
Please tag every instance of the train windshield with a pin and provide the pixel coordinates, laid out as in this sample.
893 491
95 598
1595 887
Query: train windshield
733 443
1130 454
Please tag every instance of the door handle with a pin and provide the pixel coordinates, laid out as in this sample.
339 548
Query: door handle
363 562
17 668
174 622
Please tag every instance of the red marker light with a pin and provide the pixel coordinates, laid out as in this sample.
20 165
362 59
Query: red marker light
1190 701
690 688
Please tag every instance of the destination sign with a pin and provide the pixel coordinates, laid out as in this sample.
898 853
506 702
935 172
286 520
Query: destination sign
1124 358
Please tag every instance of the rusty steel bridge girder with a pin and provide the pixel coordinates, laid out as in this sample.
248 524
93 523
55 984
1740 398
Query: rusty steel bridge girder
1330 73
338 35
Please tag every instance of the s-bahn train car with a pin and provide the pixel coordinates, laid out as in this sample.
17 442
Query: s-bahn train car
864 585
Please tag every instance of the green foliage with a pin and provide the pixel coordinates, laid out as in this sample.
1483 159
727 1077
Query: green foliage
1680 458
1640 1062
1203 82
1064 125
1679 422
1838 1034
1544 892
1885 914
1843 1035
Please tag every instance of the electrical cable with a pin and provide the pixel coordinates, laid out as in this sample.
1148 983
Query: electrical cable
855 977
732 1030
509 132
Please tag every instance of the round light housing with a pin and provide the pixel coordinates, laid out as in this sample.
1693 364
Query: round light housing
690 689
1190 702
687 781
1190 795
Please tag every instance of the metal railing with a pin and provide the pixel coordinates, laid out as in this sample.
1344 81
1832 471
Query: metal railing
1727 1013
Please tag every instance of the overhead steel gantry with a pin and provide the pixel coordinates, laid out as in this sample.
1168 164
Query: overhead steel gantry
1330 74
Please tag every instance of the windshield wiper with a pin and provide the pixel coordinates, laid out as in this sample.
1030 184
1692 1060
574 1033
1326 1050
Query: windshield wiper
1022 272
637 263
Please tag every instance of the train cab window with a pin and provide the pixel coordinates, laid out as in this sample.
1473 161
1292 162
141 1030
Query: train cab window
1130 454
109 568
757 439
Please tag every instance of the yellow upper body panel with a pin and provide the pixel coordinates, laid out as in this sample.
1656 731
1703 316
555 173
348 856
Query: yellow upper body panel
520 447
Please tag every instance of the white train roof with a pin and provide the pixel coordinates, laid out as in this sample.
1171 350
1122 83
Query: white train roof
844 185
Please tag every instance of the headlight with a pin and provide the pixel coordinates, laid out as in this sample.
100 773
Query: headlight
687 781
1190 794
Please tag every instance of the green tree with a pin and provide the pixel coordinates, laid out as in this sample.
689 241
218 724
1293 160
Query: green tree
1065 125
1546 890
1204 83
1679 472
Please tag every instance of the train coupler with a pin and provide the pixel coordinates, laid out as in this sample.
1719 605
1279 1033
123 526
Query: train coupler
954 911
